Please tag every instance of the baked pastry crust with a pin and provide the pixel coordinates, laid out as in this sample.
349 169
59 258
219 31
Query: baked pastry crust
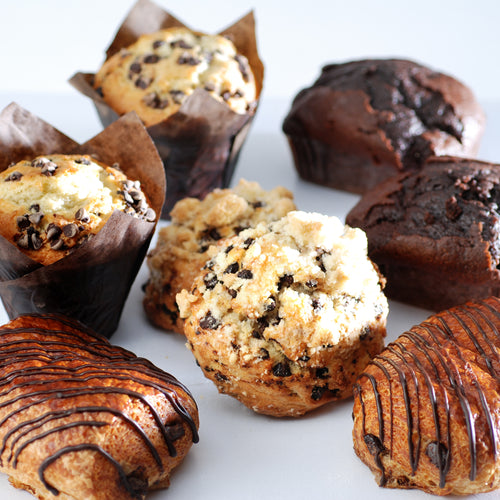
184 246
154 75
54 203
285 316
69 401
426 409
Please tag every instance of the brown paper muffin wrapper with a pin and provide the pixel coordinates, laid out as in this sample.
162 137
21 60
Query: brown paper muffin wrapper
91 283
200 144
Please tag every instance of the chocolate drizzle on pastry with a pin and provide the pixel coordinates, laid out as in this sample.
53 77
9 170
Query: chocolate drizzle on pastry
448 371
59 367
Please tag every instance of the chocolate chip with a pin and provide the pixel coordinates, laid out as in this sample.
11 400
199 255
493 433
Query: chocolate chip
316 304
49 168
258 204
177 96
232 268
56 244
247 243
317 393
220 377
210 281
150 215
35 207
143 82
209 87
154 101
159 43
151 59
228 248
312 283
243 67
82 215
264 353
232 292
135 68
174 431
285 281
245 274
188 59
70 230
24 241
226 95
208 322
453 209
36 241
281 370
53 231
13 176
22 222
83 161
437 453
373 443
238 94
36 217
322 372
180 44
40 162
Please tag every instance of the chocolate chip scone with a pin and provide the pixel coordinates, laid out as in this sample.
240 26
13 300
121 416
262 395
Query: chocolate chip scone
160 70
53 204
364 121
286 315
184 246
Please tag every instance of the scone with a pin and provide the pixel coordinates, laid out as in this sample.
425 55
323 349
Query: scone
286 315
426 409
364 121
54 203
81 419
435 233
154 75
186 244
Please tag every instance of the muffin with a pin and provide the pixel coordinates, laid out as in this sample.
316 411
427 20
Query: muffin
157 73
286 315
435 233
74 231
54 203
364 121
186 244
196 93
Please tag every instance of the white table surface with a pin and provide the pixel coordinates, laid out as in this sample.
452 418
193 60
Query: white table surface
243 455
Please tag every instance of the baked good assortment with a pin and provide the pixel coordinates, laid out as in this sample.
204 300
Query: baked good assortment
70 400
184 246
364 121
426 409
156 74
287 314
52 204
434 233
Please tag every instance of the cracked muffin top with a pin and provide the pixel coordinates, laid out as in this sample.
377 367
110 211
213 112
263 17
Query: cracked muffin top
54 203
155 75
390 114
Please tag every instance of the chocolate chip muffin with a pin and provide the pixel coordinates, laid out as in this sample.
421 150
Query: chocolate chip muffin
187 243
54 203
286 315
364 121
160 70
435 233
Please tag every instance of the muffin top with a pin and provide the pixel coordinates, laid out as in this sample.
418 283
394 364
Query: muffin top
160 70
54 203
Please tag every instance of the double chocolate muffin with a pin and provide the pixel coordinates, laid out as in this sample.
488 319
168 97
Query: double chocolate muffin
364 121
435 233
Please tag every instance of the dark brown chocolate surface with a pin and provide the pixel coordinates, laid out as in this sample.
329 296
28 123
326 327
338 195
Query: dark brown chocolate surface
435 233
364 121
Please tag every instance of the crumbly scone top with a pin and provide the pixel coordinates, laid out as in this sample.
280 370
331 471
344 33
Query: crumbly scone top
154 75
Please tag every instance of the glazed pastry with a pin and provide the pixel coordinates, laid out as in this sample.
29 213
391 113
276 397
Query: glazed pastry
82 419
364 121
286 315
186 244
54 203
155 75
426 409
434 233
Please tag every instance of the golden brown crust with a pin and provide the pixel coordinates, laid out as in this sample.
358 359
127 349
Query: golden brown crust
69 401
439 384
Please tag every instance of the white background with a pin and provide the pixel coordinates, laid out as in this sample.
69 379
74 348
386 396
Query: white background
242 455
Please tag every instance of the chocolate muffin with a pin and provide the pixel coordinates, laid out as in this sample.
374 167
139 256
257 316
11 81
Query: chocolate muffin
435 233
362 122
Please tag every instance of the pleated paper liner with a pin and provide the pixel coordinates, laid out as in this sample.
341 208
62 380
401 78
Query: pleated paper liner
91 283
200 144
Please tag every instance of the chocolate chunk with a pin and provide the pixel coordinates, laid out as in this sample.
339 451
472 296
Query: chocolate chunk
208 322
245 274
70 230
317 393
453 209
188 59
285 281
135 68
438 454
281 370
151 58
373 443
143 82
210 281
13 176
322 372
82 215
174 432
232 268
22 222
